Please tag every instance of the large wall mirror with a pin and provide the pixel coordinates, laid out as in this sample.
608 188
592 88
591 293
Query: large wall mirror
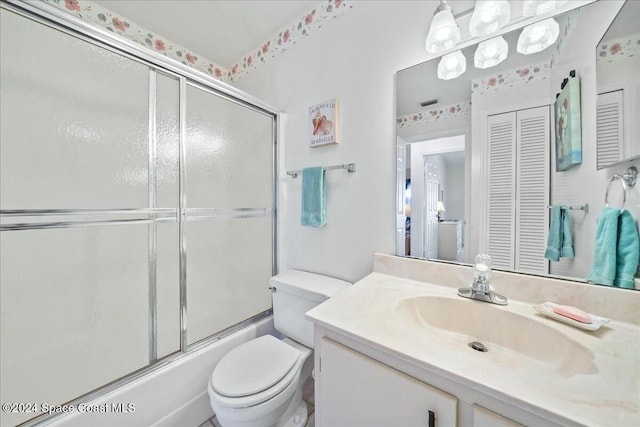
485 159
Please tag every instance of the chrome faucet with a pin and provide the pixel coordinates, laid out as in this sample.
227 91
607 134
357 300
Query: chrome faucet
480 289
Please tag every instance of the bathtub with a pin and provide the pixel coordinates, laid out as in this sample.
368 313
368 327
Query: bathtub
174 395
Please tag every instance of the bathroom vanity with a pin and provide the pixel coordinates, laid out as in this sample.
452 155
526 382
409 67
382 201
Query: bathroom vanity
393 350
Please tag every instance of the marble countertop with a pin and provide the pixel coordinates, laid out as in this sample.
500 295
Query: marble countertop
605 391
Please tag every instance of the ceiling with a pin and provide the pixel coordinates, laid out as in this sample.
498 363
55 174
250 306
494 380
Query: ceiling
222 31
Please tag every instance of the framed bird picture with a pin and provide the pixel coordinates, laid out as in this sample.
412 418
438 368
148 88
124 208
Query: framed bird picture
323 123
568 126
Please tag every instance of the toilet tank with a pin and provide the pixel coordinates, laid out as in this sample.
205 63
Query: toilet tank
296 292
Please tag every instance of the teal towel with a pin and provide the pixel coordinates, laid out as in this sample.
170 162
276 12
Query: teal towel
554 241
560 241
314 197
566 249
603 267
628 251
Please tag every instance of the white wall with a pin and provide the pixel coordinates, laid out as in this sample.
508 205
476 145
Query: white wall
453 196
418 152
353 59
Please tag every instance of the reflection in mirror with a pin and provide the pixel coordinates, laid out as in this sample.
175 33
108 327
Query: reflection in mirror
618 73
477 168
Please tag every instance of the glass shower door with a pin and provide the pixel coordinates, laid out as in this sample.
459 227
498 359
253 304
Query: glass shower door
136 214
89 222
229 211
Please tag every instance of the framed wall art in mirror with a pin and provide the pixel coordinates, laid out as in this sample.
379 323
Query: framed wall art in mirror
568 126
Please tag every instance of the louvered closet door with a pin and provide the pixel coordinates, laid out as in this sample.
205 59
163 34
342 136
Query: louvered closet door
609 125
532 189
501 192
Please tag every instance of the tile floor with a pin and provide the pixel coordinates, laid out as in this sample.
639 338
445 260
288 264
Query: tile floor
307 395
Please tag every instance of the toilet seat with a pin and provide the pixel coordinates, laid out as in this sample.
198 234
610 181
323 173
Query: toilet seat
255 372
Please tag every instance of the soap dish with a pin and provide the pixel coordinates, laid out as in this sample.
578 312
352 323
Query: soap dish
546 308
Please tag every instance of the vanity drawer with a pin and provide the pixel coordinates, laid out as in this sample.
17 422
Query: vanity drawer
483 417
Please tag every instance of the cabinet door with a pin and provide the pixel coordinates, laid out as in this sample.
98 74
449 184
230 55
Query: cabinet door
502 188
354 390
518 193
532 190
483 417
610 128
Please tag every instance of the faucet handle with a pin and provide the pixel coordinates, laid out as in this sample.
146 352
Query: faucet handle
481 273
481 285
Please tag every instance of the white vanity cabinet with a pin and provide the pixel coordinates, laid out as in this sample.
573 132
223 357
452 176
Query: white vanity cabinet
355 390
357 385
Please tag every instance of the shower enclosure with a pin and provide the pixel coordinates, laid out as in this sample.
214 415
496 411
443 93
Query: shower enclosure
137 210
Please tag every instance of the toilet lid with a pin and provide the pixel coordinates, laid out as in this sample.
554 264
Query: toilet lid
253 367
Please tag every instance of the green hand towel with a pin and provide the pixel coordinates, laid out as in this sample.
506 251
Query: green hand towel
554 241
603 267
566 250
314 197
628 251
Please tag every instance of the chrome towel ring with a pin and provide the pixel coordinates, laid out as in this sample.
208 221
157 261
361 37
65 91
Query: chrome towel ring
627 180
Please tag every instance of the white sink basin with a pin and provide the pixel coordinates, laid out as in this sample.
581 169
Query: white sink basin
460 321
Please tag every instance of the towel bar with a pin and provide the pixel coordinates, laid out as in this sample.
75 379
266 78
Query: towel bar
584 208
628 179
350 167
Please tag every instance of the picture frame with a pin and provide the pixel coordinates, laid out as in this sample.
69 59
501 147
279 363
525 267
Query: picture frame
323 123
568 126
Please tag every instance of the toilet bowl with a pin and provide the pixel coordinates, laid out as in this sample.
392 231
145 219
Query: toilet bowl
259 383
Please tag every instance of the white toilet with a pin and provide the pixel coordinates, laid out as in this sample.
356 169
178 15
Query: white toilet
259 383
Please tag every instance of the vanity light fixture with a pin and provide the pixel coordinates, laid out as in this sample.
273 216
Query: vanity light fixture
443 32
452 65
538 7
537 37
489 16
491 52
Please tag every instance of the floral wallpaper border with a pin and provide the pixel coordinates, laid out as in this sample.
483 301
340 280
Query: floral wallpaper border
102 17
326 11
619 48
435 114
510 78
565 32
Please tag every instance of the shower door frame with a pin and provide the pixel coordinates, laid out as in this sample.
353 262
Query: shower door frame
57 19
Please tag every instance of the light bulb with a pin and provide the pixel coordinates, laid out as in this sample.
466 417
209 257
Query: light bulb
489 16
491 52
537 32
443 32
452 65
538 7
537 37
